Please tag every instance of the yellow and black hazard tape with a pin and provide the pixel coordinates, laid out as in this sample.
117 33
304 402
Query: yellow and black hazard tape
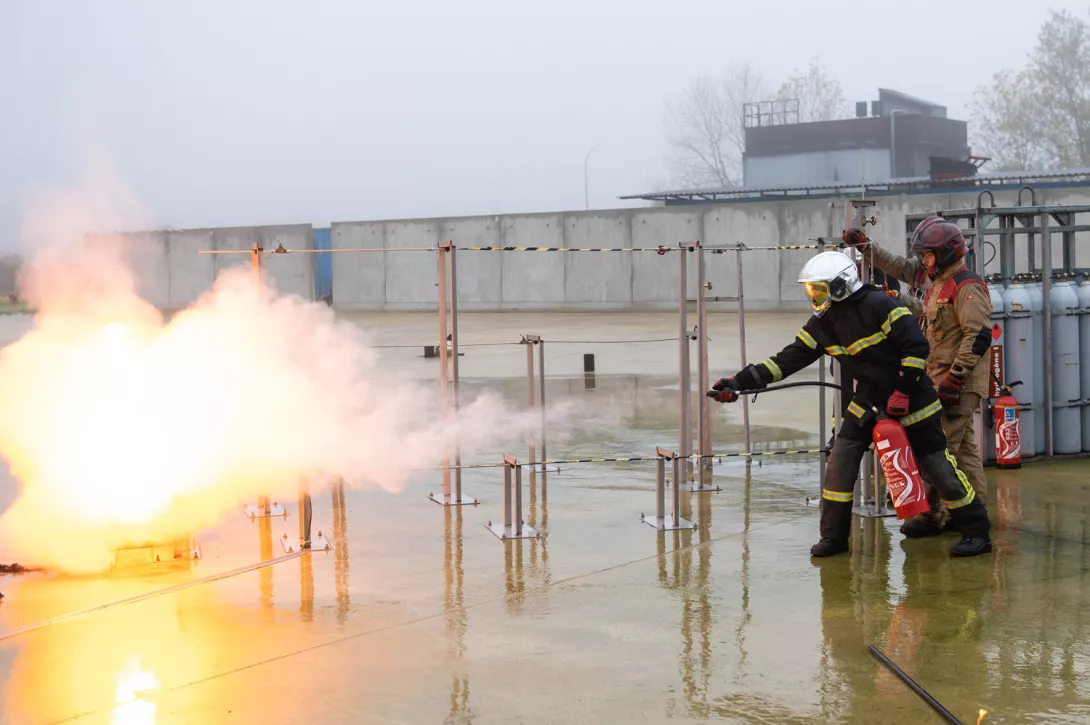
780 248
658 250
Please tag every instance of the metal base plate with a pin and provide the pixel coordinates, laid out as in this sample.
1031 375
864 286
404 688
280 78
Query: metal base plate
253 511
293 544
443 500
508 532
667 523
539 468
867 511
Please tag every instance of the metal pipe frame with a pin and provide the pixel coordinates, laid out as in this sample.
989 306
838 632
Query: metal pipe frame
685 388
742 344
701 483
660 520
513 527
537 382
1046 294
446 263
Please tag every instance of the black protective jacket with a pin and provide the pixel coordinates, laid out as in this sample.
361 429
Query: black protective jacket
877 342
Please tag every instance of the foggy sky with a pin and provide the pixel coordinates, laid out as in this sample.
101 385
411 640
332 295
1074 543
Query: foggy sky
232 112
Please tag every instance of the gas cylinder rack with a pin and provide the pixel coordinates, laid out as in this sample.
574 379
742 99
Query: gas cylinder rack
1042 329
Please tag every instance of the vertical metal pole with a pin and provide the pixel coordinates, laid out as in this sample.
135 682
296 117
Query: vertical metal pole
518 500
677 489
685 392
444 393
541 396
453 291
704 421
742 341
1046 294
530 393
821 403
1006 248
507 492
306 514
660 486
877 482
257 265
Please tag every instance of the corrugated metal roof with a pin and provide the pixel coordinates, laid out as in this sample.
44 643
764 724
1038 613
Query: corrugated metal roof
891 184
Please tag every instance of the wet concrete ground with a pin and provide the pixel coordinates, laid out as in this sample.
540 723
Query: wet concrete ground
419 614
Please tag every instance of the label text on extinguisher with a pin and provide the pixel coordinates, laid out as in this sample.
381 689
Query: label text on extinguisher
996 365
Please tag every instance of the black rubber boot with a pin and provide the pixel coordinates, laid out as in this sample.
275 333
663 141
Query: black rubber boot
972 546
920 526
828 547
973 524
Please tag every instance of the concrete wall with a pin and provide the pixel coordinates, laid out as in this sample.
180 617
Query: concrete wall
171 273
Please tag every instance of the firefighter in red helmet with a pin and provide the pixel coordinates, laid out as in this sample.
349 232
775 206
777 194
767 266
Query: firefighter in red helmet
956 317
879 344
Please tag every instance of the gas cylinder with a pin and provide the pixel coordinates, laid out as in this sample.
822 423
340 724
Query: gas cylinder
899 466
995 364
1066 380
1008 448
1033 286
1019 350
1084 358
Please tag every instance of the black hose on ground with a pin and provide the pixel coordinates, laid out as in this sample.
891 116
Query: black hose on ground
934 704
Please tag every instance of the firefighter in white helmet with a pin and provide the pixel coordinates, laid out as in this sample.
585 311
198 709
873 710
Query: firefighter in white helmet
878 343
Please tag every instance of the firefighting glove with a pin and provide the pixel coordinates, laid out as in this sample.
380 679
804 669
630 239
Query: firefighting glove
854 237
725 390
950 387
897 406
745 379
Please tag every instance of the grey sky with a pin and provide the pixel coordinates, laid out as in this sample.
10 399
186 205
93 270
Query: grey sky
228 112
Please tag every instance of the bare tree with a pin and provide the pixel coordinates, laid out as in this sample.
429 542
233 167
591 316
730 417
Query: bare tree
820 97
707 129
1039 117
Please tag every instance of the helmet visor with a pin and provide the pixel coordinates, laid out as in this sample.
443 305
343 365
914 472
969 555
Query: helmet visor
818 292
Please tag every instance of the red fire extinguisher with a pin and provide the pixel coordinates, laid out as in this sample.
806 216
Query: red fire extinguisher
899 466
1008 443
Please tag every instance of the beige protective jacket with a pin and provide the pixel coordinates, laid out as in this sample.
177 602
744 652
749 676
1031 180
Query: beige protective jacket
955 315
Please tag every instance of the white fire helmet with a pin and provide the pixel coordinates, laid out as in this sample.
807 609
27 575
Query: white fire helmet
829 277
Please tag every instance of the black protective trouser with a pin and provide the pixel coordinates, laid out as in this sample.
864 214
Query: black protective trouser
937 467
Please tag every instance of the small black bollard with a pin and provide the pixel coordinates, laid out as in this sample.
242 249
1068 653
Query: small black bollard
588 362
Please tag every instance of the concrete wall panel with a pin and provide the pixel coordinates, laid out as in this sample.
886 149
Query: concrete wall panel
359 278
479 273
150 263
411 277
755 225
654 277
598 280
191 274
233 239
290 273
533 280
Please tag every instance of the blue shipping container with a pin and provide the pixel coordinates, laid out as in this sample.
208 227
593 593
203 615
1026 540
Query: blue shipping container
323 265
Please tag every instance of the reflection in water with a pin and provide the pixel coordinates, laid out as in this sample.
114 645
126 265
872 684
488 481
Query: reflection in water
340 553
265 575
676 574
133 686
513 557
456 621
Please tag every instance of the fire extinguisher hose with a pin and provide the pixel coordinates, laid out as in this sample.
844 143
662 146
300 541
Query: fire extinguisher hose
785 386
923 694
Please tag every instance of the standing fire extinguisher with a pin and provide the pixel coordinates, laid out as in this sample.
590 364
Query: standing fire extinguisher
899 466
1008 443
